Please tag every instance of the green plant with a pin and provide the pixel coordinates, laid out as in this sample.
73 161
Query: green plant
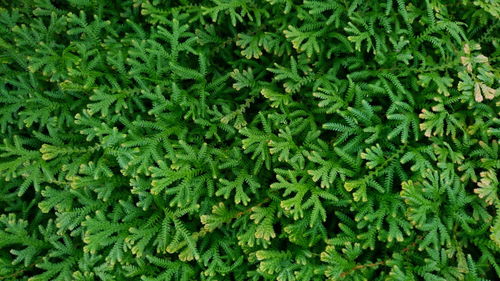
249 140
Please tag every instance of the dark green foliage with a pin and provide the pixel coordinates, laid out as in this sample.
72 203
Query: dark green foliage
249 140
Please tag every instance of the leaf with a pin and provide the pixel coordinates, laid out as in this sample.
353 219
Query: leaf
264 219
488 187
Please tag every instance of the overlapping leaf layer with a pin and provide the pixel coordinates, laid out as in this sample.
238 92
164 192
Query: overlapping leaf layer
249 140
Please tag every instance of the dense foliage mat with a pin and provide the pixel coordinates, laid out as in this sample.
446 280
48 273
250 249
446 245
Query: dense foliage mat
249 140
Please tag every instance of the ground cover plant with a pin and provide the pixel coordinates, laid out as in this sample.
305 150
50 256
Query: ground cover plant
249 140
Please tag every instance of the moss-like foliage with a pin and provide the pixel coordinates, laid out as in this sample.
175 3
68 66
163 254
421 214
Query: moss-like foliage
249 140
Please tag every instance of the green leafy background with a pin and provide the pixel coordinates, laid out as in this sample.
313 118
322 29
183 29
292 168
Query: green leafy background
249 140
